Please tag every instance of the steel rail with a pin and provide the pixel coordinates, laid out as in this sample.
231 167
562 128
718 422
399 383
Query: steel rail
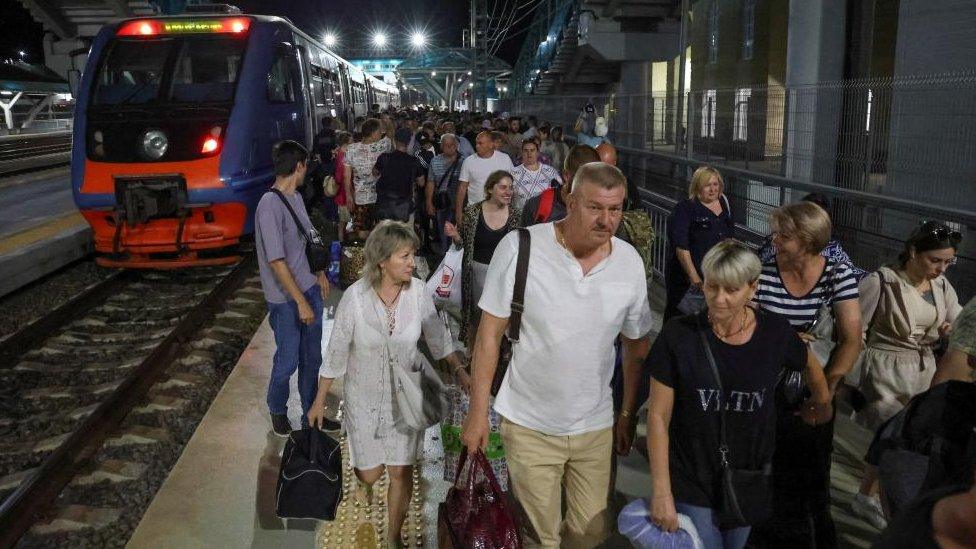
20 341
19 510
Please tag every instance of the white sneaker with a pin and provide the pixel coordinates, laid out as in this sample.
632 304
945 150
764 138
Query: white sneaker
869 509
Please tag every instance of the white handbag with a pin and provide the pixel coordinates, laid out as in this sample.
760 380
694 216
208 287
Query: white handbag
419 395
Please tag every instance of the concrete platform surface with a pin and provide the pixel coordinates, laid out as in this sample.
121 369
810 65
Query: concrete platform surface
221 491
40 229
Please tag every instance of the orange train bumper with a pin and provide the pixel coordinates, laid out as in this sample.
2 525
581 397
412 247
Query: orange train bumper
153 245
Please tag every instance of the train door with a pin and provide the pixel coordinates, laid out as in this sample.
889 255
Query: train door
286 98
370 97
347 101
311 122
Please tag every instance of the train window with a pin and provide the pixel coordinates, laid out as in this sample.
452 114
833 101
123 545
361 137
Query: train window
318 91
280 88
132 72
207 72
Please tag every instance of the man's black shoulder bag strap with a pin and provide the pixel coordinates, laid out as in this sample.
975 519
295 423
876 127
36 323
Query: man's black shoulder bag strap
316 254
447 175
518 293
301 229
518 306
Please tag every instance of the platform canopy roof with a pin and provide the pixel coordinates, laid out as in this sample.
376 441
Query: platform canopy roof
16 76
438 71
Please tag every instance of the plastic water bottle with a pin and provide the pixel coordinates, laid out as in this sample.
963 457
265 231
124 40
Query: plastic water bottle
335 251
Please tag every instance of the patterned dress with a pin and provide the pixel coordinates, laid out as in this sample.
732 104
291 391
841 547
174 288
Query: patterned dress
357 351
362 158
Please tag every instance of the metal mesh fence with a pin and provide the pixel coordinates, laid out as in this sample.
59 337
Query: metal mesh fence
888 153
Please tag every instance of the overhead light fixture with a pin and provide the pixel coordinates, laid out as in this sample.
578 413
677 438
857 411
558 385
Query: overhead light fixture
418 40
330 39
379 39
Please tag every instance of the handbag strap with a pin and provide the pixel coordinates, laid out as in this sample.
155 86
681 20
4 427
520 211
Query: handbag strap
294 216
449 171
723 448
518 294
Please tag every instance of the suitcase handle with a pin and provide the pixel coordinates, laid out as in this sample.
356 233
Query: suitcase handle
313 449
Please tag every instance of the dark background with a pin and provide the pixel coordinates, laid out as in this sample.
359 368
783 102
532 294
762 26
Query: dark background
352 21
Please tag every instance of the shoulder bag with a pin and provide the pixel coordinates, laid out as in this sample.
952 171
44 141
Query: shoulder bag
518 306
420 396
745 497
442 198
330 187
316 253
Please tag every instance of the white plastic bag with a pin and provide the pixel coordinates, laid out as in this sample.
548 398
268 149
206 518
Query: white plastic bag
444 284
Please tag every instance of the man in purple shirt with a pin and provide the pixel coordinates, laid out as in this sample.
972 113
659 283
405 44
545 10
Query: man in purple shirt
294 294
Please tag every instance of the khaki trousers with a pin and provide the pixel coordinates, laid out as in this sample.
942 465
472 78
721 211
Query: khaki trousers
540 466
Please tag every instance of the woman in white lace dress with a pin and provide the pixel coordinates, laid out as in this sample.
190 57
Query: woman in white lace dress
377 326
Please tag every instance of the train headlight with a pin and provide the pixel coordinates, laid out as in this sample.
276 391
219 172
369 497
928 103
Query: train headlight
154 144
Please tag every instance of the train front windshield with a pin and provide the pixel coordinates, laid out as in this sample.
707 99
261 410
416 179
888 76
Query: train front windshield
171 69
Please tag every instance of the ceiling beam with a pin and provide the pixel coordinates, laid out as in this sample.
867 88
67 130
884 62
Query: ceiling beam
120 7
52 18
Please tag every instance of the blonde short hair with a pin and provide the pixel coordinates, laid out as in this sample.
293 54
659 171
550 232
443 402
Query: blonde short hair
731 264
805 221
700 179
601 174
386 238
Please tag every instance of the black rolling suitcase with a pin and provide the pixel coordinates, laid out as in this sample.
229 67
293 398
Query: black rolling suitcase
310 479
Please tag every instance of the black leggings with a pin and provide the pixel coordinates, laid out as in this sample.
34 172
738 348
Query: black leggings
800 487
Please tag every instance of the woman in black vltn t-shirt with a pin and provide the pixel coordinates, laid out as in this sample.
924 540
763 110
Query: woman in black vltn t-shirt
752 349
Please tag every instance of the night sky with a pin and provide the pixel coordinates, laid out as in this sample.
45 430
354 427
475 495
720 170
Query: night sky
444 20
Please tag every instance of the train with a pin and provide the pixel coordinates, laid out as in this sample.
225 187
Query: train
175 120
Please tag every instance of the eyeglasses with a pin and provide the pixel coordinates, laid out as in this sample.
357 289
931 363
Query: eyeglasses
947 262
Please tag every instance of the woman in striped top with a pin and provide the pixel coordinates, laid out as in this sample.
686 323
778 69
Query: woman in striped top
796 285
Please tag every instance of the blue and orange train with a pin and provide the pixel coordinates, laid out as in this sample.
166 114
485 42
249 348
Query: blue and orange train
174 124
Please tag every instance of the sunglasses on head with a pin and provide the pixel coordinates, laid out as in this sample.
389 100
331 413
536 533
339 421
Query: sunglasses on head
944 234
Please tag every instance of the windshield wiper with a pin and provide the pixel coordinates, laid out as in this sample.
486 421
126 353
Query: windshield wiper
125 100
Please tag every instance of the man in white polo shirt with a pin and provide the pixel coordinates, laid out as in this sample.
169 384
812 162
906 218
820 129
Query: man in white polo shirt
584 288
475 171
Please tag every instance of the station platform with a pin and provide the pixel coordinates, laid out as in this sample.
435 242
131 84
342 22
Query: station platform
41 230
221 491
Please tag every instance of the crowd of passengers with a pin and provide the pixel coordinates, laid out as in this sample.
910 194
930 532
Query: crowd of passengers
757 354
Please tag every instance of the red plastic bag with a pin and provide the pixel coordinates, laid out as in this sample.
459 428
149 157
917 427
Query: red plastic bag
478 515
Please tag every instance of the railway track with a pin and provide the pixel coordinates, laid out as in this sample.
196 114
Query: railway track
32 151
98 396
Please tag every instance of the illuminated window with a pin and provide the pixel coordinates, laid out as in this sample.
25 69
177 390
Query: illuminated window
708 112
740 116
